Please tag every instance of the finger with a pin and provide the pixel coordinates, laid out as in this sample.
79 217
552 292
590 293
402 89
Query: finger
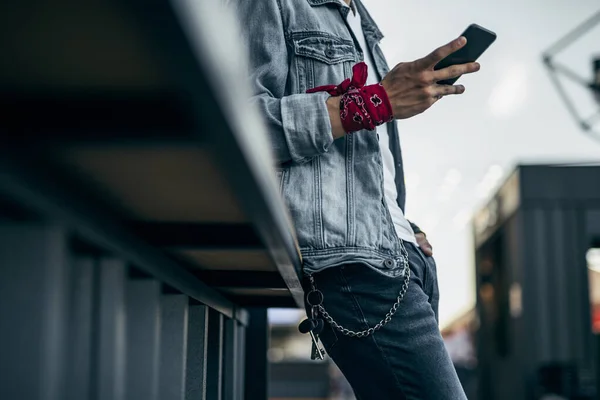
424 245
455 71
440 53
427 250
440 91
421 239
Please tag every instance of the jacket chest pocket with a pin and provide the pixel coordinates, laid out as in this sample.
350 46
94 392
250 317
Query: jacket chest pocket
321 59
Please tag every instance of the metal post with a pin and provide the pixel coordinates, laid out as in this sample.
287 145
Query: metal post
111 331
79 370
143 338
197 344
241 361
33 281
257 365
173 346
231 360
214 371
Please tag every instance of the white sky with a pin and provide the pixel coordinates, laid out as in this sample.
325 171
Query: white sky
457 152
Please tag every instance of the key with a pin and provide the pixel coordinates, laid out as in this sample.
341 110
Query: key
319 327
317 353
314 298
309 326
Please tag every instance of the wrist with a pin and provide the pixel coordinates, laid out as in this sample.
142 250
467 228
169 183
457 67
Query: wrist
387 89
333 107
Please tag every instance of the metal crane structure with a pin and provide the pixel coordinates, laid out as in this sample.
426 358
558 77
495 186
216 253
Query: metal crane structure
587 123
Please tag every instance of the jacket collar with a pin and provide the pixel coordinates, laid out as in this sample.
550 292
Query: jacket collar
368 24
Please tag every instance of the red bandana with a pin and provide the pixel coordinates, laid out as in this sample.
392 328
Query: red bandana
361 107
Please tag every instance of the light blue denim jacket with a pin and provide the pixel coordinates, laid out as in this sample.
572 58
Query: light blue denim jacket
334 189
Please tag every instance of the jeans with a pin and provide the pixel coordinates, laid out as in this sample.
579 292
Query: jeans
406 359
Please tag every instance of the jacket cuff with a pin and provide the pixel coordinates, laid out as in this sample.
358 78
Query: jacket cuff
306 125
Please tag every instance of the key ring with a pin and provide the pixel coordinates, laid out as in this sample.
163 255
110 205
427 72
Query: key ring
314 298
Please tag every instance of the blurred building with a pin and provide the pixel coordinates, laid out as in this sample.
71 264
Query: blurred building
537 295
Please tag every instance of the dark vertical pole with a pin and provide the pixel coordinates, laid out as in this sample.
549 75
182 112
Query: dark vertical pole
197 346
538 266
143 338
33 282
230 360
111 332
241 361
80 330
173 346
560 275
257 365
527 250
214 368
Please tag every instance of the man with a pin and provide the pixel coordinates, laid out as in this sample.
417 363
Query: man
344 187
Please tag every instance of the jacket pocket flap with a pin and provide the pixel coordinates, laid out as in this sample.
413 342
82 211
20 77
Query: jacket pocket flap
326 48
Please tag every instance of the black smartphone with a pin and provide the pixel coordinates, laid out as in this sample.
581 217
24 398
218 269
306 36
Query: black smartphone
478 40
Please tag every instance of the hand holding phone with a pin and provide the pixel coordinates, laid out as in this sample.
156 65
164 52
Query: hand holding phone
478 40
413 87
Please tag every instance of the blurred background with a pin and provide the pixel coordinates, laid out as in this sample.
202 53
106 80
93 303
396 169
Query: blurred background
460 152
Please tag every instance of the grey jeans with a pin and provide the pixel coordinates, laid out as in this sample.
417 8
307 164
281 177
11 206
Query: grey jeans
406 359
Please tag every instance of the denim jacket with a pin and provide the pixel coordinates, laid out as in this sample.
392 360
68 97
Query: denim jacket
333 189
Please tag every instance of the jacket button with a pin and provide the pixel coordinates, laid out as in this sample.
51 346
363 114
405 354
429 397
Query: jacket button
329 52
389 263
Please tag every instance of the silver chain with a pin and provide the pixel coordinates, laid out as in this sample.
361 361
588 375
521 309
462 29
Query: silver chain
388 316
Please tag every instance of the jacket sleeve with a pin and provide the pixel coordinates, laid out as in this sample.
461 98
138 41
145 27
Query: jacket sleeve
298 125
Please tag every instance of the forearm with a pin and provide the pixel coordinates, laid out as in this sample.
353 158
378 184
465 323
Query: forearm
333 107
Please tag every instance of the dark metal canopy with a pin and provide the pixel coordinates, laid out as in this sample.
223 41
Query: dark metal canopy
126 122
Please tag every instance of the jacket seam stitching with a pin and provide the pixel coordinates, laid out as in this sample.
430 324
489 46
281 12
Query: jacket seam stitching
344 249
349 190
281 15
319 194
312 33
